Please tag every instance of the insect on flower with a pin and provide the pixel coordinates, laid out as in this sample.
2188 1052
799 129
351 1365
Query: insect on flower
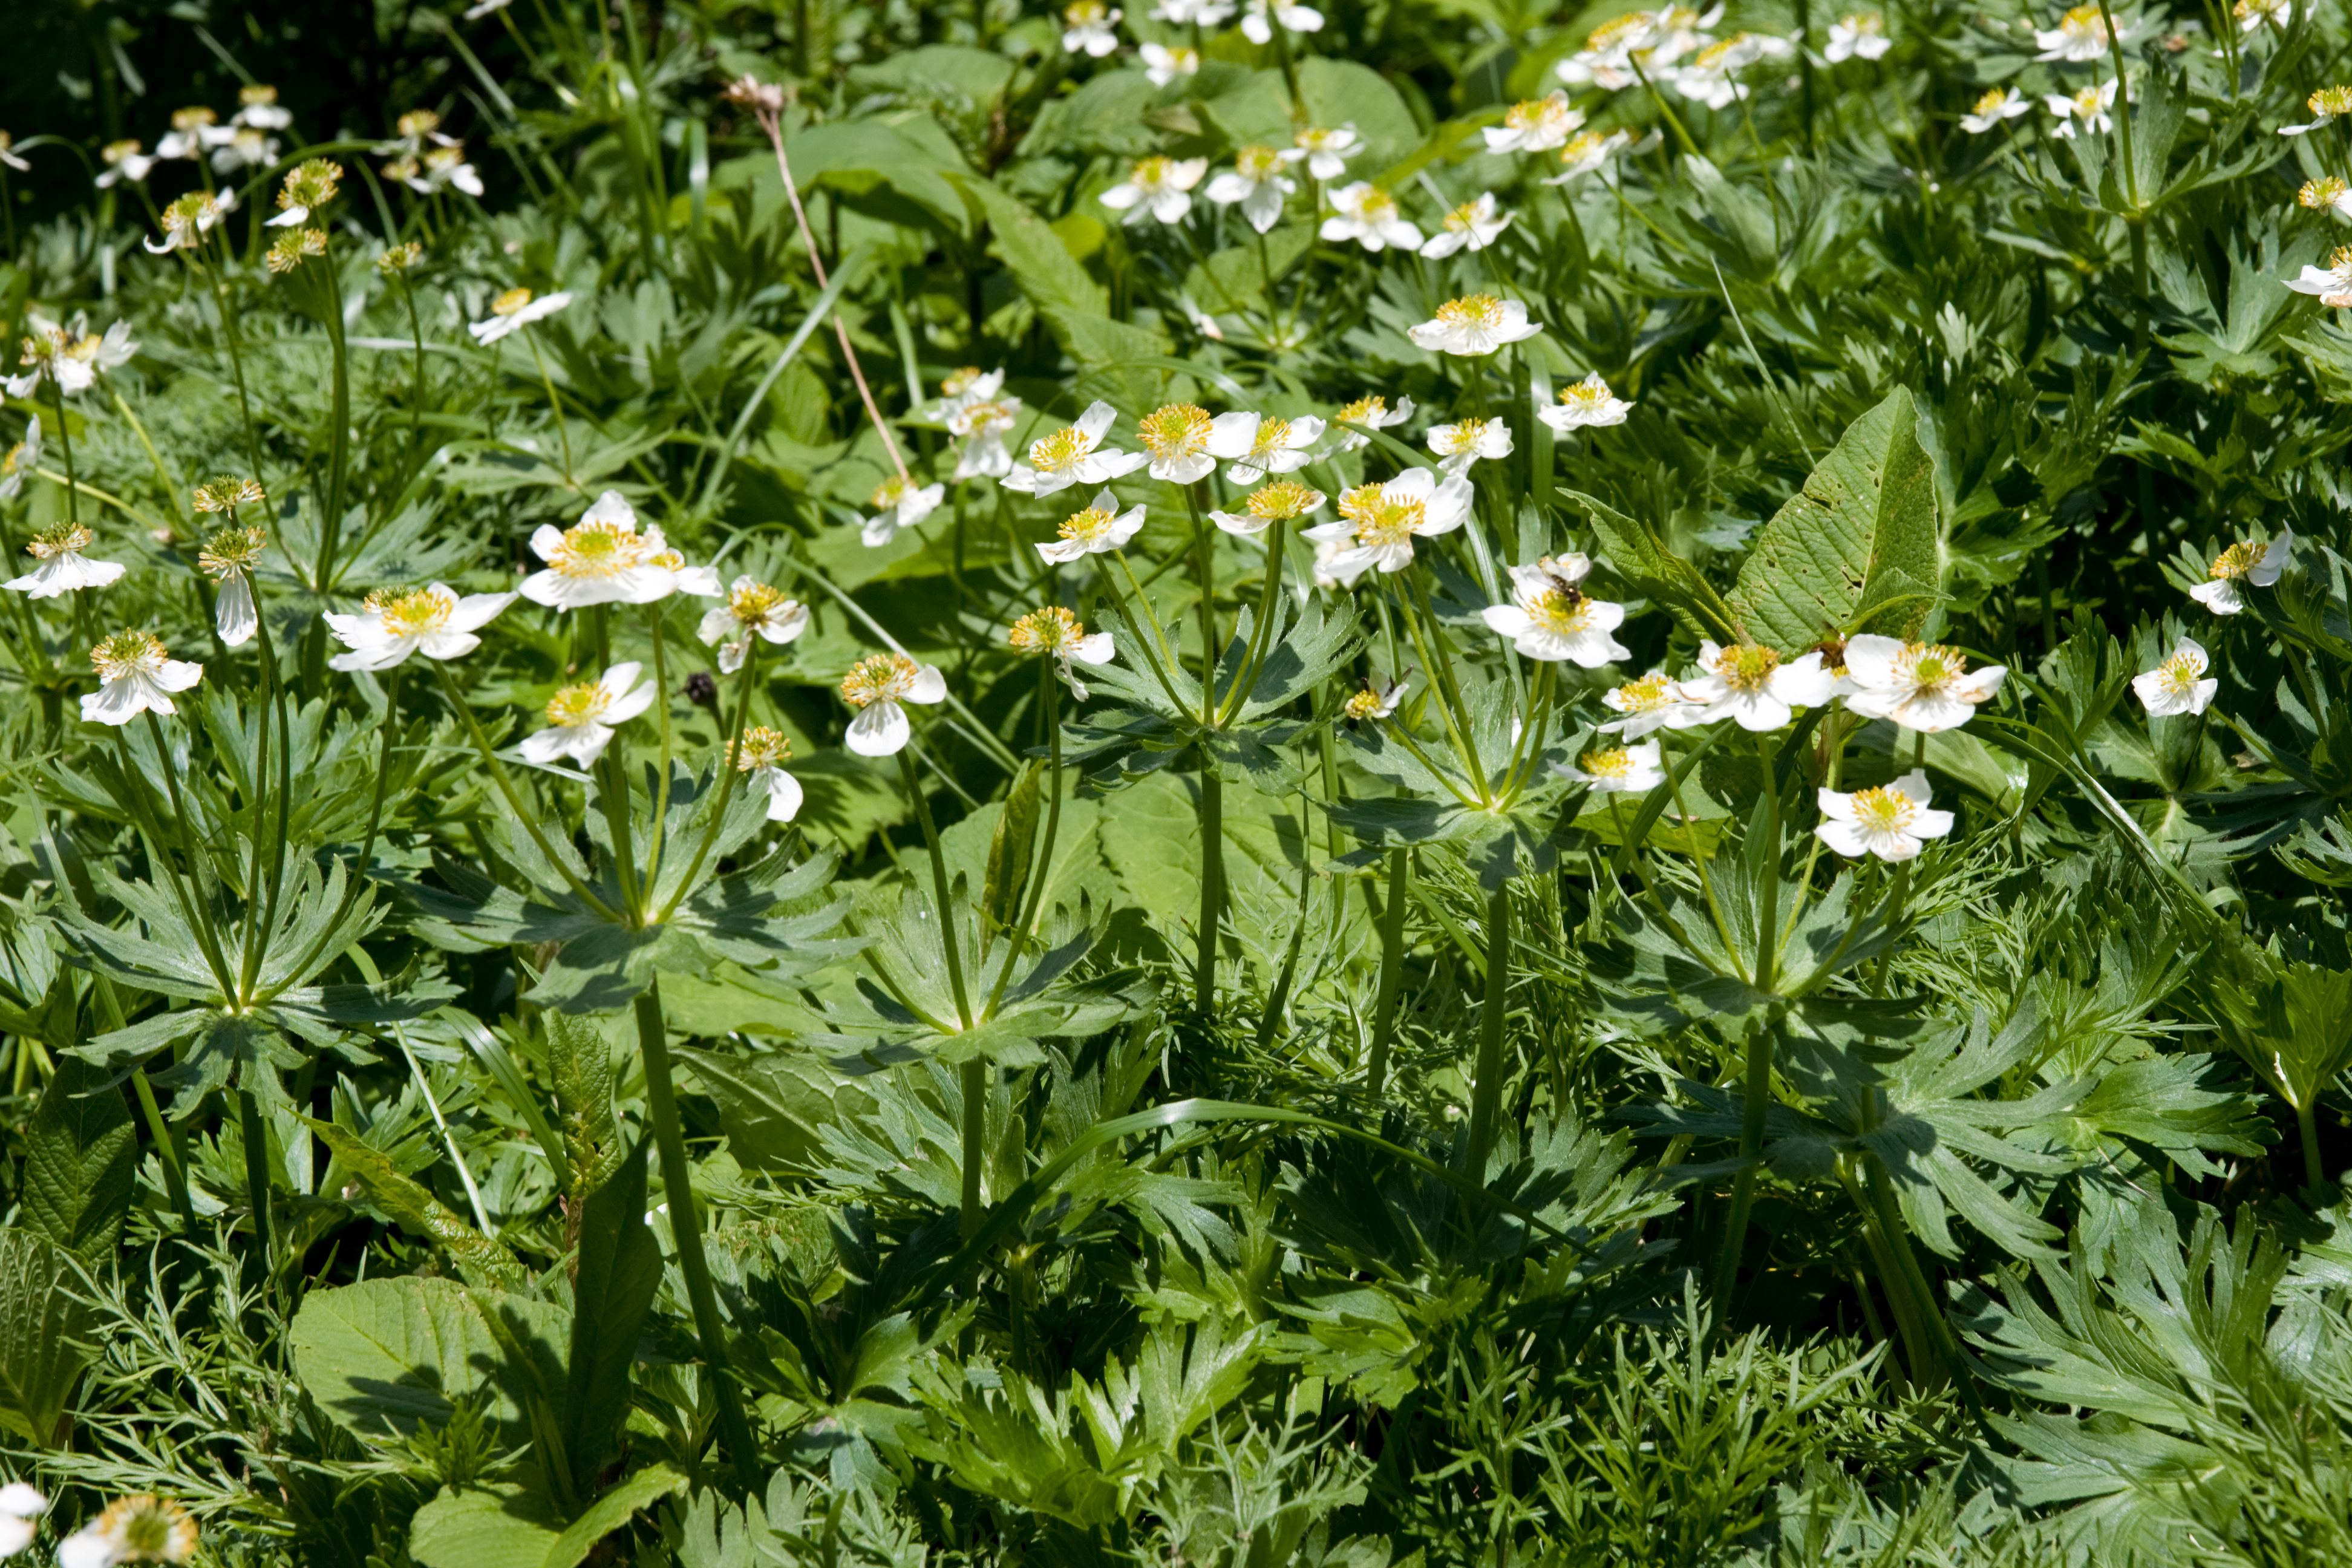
1061 636
1549 618
136 675
876 686
1891 820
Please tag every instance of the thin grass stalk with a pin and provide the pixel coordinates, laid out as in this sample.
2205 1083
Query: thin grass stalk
1391 982
1487 1082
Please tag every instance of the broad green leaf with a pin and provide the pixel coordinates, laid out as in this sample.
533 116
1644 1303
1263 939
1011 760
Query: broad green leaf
40 1319
1343 92
1857 549
1650 569
631 1496
620 1268
489 1527
80 1157
390 1355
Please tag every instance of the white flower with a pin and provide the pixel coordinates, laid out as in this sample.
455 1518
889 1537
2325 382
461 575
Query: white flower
1998 104
243 148
193 131
140 1528
1062 637
753 608
1259 30
982 425
603 560
1550 619
1466 441
433 621
1624 770
898 502
1537 125
1159 186
2249 561
1606 59
9 155
444 166
2174 686
1325 153
1101 527
1673 32
1859 36
1372 411
1256 181
1177 438
135 673
1180 13
2329 192
1753 686
1921 686
1163 63
2088 108
1586 151
2332 282
1367 214
876 686
1653 702
124 161
2080 36
761 753
1087 27
187 220
1378 523
1890 821
229 558
1283 500
959 390
580 719
2328 104
1257 445
1587 403
1711 76
1475 223
482 8
2254 14
72 355
257 106
1474 325
1073 455
62 568
1376 699
513 310
20 1505
22 459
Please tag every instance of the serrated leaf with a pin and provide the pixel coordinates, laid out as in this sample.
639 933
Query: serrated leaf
411 1204
41 1318
80 1160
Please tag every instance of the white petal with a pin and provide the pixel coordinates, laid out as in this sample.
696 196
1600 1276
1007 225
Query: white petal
880 730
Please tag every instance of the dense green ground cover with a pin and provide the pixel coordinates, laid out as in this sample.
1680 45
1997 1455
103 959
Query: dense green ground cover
1437 782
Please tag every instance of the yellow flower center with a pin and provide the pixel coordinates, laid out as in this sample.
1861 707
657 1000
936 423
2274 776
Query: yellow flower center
754 602
1747 669
1583 145
577 705
1644 696
984 416
1086 526
1560 610
2238 560
878 677
1472 311
418 122
8 464
185 119
1990 102
890 492
960 379
2179 675
507 303
1085 14
148 1530
2331 101
1178 430
1059 453
1930 667
1453 440
1610 765
597 549
762 748
65 539
1375 206
1151 174
1283 499
1273 436
1612 33
1316 140
1258 165
227 493
1466 217
409 615
1362 705
1364 410
1590 392
2320 194
1884 810
1870 24
1387 522
2088 103
124 653
1049 630
232 552
116 151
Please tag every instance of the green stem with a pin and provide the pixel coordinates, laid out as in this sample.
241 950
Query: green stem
1486 1088
237 364
65 443
1260 633
555 404
256 1172
973 1077
514 802
1204 568
193 901
1212 884
658 838
339 442
1384 1006
964 1020
167 1149
1757 1090
1033 906
686 1227
2306 1122
729 771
